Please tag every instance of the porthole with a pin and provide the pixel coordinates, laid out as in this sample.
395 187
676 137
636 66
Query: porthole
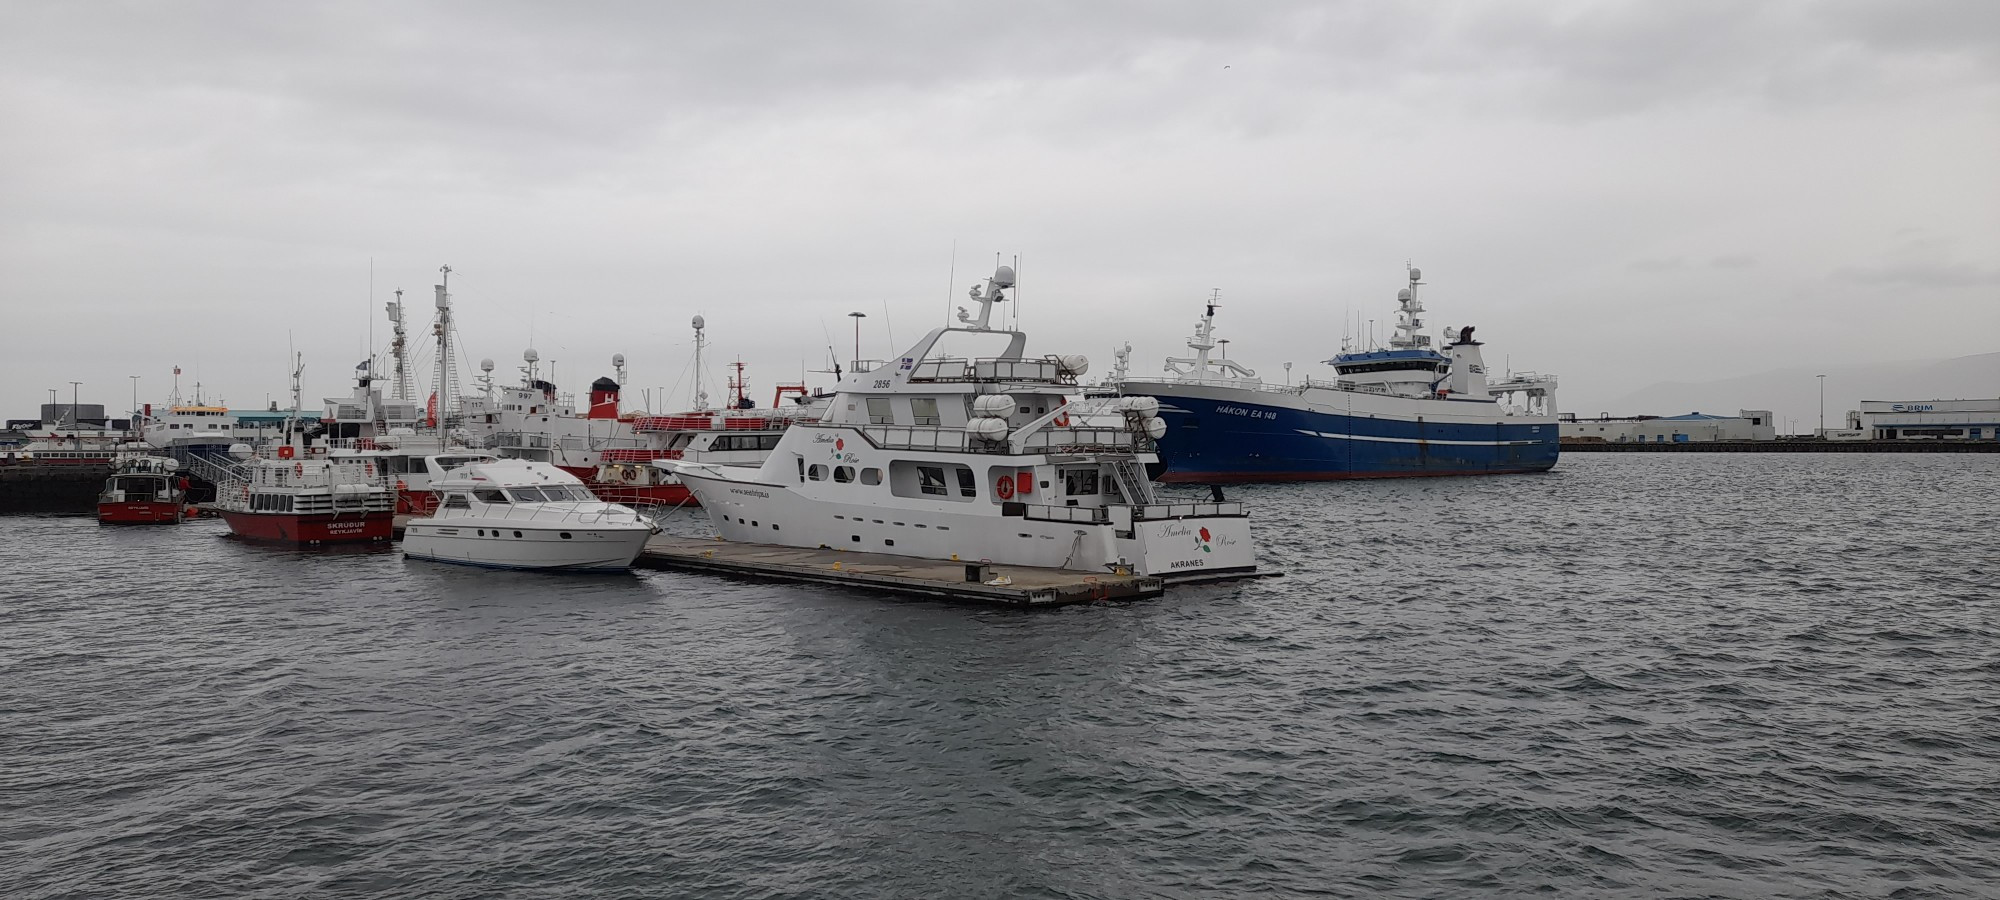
774 526
565 535
517 534
753 524
888 542
855 538
482 532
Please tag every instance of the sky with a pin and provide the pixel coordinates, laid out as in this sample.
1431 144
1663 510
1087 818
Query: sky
1617 193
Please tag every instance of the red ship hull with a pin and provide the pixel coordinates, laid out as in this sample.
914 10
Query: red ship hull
643 494
139 512
317 528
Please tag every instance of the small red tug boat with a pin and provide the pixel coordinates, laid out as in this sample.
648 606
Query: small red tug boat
144 490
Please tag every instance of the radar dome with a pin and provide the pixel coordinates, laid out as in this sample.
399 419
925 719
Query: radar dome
700 323
486 365
617 359
1004 276
1403 295
531 355
1416 274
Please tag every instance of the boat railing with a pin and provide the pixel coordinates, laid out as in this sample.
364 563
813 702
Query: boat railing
1087 515
542 512
1049 439
1157 511
67 457
638 455
719 422
1026 371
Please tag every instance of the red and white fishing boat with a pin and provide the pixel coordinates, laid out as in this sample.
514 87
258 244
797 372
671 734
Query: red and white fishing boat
301 495
144 490
308 501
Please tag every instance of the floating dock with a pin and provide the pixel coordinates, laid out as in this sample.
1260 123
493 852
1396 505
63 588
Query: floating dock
1781 446
948 579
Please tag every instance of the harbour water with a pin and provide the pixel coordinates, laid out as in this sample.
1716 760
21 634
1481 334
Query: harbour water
1638 675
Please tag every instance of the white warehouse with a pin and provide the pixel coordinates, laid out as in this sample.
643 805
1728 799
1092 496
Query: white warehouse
1746 425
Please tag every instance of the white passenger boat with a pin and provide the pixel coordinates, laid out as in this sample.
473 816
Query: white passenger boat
517 514
942 456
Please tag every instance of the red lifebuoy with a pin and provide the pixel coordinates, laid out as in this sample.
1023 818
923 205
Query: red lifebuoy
1005 488
369 468
299 469
1062 420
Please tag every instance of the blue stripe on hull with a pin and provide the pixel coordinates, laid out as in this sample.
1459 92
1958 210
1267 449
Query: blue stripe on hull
1232 441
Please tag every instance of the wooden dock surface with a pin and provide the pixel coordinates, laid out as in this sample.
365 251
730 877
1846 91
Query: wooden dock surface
1030 586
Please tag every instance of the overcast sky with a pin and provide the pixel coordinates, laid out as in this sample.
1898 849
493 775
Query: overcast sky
1620 193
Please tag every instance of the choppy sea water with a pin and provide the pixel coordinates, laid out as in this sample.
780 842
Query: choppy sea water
1639 675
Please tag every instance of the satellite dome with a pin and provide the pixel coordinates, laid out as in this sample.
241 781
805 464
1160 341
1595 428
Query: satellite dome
617 359
1403 295
531 355
1004 276
700 323
486 365
1416 274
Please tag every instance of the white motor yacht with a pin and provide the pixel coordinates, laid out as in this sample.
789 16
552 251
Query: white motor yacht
517 514
941 456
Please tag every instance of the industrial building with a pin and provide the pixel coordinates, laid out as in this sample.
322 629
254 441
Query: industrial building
1746 425
1921 420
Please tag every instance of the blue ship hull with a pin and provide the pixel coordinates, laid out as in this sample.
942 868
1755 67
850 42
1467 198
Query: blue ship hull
1229 440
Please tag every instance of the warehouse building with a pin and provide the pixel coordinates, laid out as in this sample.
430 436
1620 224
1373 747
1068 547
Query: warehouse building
1922 420
1746 425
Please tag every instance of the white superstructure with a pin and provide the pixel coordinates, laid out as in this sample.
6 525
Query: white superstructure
939 455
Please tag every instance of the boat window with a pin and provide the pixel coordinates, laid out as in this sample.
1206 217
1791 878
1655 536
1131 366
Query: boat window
489 495
843 474
925 409
967 487
802 468
525 495
817 472
930 480
871 476
577 492
1079 482
456 501
878 411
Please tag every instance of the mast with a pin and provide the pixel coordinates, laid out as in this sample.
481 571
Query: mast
444 350
399 347
700 340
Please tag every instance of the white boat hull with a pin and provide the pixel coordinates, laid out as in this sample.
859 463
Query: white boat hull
524 545
777 514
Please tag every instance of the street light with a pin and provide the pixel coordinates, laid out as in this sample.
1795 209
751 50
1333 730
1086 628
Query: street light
858 316
75 435
132 423
1822 404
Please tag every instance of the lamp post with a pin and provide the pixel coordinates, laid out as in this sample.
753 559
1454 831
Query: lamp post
75 436
858 316
1822 404
132 421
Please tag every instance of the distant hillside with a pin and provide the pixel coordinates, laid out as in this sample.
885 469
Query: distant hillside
1794 393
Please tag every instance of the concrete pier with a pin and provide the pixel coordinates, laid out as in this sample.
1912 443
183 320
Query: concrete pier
1030 586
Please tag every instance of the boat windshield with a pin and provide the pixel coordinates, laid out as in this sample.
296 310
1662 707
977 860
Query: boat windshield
490 495
526 495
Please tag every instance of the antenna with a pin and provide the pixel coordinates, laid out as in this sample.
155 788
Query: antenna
950 283
700 340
